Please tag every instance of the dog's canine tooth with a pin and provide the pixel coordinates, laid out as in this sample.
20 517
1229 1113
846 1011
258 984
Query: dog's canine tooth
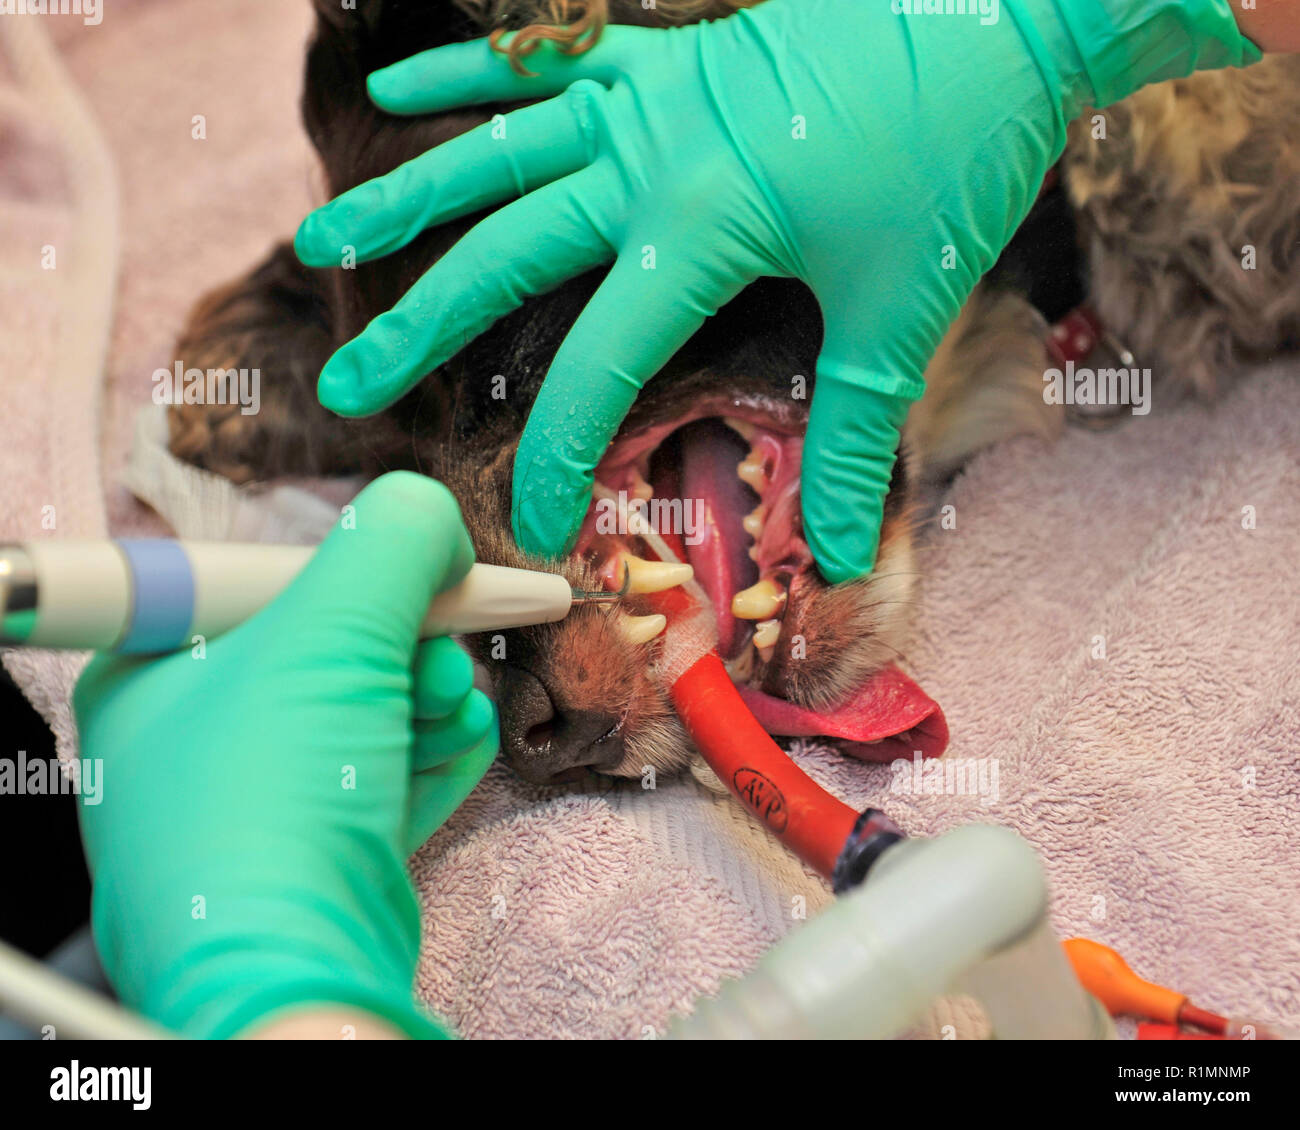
652 576
751 472
642 629
758 602
753 522
743 428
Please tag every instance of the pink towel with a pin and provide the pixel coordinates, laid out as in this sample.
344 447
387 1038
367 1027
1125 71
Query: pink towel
58 257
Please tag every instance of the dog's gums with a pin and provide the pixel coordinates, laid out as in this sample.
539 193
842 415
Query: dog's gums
714 495
726 487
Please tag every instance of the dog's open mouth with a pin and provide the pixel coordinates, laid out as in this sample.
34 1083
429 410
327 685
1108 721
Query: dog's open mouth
718 488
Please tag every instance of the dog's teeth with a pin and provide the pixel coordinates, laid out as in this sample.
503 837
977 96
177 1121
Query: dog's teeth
742 667
766 633
744 428
753 522
758 602
751 472
642 629
651 576
637 487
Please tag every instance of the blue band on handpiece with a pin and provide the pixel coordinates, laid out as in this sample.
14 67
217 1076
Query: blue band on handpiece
163 608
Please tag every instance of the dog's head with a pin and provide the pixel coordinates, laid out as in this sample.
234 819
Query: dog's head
713 446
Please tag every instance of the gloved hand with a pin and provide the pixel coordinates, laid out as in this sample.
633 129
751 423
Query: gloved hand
883 158
259 803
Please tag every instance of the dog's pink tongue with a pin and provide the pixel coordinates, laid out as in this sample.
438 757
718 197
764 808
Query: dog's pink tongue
718 551
887 717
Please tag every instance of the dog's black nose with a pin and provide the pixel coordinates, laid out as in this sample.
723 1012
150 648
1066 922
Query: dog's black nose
546 743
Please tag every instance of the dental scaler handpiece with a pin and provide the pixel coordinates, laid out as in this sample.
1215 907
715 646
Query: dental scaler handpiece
150 596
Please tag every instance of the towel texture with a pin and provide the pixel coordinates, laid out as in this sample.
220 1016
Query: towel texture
1113 620
58 258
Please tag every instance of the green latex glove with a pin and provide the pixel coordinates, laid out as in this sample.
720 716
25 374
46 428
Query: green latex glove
884 159
283 780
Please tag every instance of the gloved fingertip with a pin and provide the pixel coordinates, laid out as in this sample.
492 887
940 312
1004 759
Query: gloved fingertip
842 554
339 390
444 676
539 530
314 243
441 741
836 570
465 729
303 243
480 715
387 89
477 760
406 491
547 511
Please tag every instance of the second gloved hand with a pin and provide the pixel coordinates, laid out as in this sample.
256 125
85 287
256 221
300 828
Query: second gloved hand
883 156
260 797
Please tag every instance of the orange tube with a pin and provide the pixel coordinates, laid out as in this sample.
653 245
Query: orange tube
834 840
1107 977
820 829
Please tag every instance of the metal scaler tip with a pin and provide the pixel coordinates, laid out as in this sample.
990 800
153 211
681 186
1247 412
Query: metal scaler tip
604 597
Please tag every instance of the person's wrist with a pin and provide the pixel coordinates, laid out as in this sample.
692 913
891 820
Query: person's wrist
323 1022
358 1014
228 995
1104 50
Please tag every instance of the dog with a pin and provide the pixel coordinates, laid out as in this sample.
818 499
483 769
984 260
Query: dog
1165 194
